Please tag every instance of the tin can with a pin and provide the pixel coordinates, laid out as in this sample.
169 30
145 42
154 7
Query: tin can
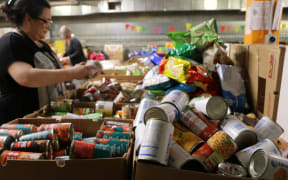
266 128
222 144
60 153
17 155
90 139
64 131
233 170
139 135
214 107
186 139
179 158
245 154
83 110
206 159
200 126
118 146
105 107
82 149
15 133
40 146
268 166
177 98
241 134
77 135
163 112
116 123
5 142
145 104
61 105
117 128
43 135
112 134
27 128
156 142
129 111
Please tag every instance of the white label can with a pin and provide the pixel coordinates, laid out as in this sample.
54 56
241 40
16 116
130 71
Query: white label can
165 112
266 128
106 107
156 142
139 134
177 97
145 104
267 145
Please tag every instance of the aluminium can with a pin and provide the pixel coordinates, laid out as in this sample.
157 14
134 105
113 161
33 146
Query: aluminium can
139 135
5 142
214 107
105 107
18 155
145 104
245 154
64 131
268 166
117 128
27 128
164 112
198 125
112 134
39 146
177 98
156 142
15 133
86 150
43 135
266 128
233 170
179 158
242 135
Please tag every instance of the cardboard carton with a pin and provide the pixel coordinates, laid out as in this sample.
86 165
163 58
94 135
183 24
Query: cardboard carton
108 168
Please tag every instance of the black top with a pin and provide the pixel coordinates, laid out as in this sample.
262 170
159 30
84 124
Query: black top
16 100
75 51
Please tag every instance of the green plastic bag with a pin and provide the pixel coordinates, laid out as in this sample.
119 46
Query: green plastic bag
185 50
179 38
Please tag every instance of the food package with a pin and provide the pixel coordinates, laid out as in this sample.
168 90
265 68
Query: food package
179 38
184 50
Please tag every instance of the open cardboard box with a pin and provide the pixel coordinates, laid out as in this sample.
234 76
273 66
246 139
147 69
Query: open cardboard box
106 168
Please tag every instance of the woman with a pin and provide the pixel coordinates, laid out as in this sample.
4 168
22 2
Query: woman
74 51
25 59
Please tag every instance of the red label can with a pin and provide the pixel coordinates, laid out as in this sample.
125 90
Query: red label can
64 131
17 155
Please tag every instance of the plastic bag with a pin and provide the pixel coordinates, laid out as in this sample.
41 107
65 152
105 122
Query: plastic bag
185 50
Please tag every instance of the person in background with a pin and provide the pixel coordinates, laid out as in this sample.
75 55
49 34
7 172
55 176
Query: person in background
74 51
30 73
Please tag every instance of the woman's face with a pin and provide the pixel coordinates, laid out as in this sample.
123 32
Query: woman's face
41 25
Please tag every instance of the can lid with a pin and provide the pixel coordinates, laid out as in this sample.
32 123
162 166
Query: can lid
258 163
246 138
155 113
216 108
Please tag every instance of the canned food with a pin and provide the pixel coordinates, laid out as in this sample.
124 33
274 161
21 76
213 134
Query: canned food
233 170
186 139
40 146
266 128
83 110
112 134
11 132
222 144
64 131
5 142
245 154
198 125
82 149
116 128
242 135
139 135
156 142
90 140
27 128
118 146
179 158
163 112
17 155
177 98
268 166
214 107
129 111
43 135
145 104
61 105
105 107
116 123
60 153
77 136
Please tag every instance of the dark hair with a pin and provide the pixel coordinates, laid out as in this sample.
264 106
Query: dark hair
15 10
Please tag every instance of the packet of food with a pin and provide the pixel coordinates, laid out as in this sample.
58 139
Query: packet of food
179 38
184 50
188 88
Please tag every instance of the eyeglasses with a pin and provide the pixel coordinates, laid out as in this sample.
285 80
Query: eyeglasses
47 21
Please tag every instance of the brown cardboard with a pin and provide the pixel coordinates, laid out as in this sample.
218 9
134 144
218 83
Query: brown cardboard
264 65
109 168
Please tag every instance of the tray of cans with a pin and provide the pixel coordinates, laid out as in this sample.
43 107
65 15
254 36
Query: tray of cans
70 143
184 135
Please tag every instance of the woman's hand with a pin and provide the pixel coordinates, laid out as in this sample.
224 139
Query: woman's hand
81 71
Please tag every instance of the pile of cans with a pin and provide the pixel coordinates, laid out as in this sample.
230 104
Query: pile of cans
202 135
59 141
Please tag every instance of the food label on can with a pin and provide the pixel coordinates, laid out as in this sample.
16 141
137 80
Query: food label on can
83 149
105 107
193 122
145 104
2 140
177 97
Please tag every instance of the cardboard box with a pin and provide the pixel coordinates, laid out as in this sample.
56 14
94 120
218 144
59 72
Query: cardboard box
108 168
264 65
114 51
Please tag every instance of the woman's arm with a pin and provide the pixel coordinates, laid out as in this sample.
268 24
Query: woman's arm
25 75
